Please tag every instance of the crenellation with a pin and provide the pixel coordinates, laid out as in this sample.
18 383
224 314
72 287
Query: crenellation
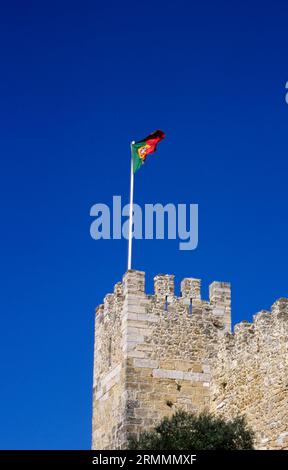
220 299
191 288
243 331
220 292
99 310
250 373
109 300
164 286
262 320
158 353
134 283
280 309
118 289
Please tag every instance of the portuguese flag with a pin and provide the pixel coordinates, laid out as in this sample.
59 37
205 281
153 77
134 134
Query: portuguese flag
144 147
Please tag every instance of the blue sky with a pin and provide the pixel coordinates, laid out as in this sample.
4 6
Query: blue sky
78 82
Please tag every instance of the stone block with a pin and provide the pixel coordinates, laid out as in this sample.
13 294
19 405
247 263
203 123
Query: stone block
191 288
164 285
147 363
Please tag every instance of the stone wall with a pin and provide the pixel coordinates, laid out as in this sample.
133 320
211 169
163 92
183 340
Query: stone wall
153 354
158 353
250 376
109 372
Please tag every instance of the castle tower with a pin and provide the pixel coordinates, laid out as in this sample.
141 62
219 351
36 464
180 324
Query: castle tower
153 354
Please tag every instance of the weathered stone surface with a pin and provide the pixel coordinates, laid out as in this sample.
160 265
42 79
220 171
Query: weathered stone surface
250 376
191 288
158 353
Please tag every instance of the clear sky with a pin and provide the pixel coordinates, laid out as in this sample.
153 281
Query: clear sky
78 82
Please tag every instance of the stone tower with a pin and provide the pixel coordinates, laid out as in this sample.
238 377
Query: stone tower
158 353
154 353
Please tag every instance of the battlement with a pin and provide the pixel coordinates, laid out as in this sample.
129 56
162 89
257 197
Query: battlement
159 352
250 375
133 285
265 324
153 352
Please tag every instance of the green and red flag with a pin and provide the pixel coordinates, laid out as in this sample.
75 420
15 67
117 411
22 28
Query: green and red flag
144 147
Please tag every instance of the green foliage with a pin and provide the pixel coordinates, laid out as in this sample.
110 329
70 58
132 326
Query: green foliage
187 431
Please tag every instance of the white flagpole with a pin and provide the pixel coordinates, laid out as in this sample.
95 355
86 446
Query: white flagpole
131 211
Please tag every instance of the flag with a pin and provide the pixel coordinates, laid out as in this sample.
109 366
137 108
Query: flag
144 147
